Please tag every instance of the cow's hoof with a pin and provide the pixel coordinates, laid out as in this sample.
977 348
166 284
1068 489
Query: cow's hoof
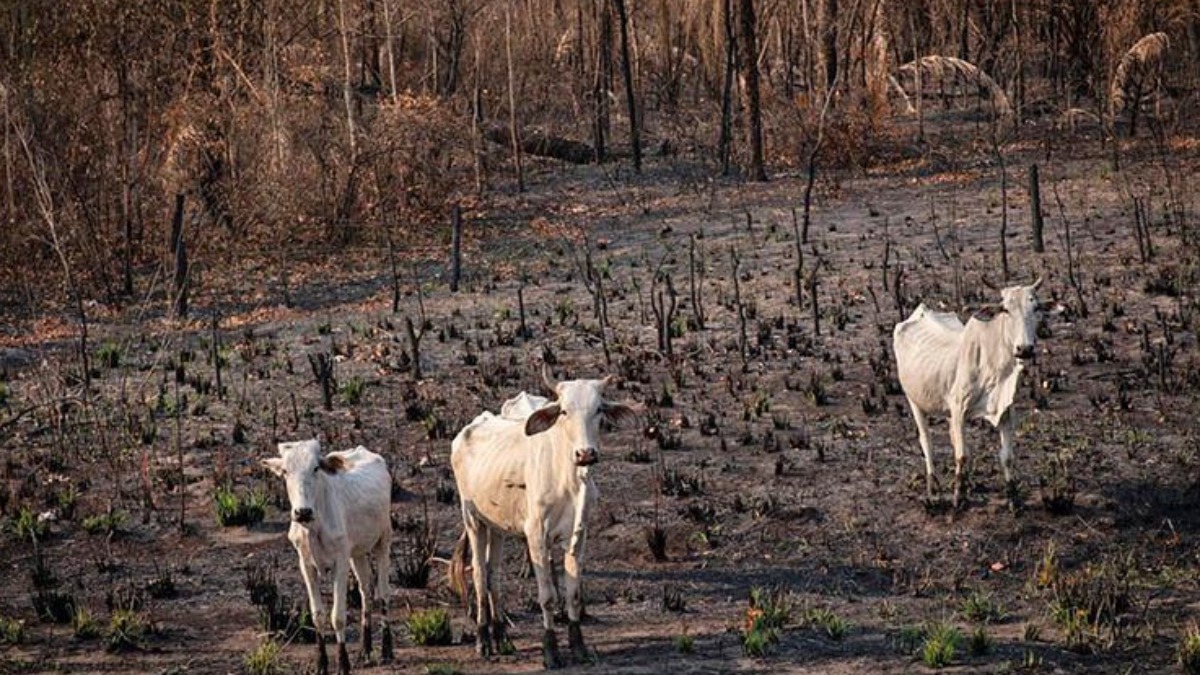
322 657
500 643
575 640
550 658
387 652
483 641
343 659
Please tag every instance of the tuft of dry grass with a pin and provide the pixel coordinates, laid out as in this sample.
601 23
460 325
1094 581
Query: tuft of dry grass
941 68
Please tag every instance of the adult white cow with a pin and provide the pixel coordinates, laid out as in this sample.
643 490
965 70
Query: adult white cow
340 520
529 476
968 371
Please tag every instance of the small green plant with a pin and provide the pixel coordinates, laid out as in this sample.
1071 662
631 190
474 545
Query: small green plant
27 527
54 606
429 627
1188 652
826 621
979 643
775 605
108 355
265 659
104 523
127 631
352 390
981 607
685 644
234 509
909 639
941 645
758 639
12 631
84 625
442 669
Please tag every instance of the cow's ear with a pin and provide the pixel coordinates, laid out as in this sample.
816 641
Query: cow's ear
1051 307
542 420
331 464
989 312
618 413
273 464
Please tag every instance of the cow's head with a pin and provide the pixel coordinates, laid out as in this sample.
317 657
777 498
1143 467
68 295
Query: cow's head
298 464
1021 309
576 411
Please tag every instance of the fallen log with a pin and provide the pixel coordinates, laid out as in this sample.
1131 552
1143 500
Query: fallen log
536 142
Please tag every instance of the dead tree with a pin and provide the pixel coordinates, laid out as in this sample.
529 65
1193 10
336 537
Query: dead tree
725 142
663 302
627 73
748 44
1035 210
179 251
455 246
693 273
322 369
741 309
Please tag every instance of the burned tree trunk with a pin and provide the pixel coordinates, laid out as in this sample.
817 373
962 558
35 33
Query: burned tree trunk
635 140
748 44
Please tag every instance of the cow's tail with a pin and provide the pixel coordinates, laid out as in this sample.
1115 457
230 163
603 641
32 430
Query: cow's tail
457 572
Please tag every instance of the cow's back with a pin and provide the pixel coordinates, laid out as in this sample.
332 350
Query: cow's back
364 486
490 459
926 345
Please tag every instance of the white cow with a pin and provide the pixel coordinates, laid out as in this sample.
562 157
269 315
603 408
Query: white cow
967 371
340 519
528 476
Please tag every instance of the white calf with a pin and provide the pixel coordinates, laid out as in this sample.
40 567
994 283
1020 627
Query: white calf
340 519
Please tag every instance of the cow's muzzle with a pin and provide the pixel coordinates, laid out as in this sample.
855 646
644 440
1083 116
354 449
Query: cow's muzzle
302 515
1024 352
586 457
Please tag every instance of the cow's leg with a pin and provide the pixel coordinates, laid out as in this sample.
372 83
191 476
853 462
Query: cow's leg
922 421
1007 431
361 567
337 617
957 432
543 569
495 560
383 567
573 571
317 606
477 538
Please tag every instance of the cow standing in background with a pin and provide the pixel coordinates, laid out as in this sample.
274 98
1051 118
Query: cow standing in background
968 371
341 518
529 476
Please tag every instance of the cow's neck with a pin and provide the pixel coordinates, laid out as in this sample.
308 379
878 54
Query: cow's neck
566 475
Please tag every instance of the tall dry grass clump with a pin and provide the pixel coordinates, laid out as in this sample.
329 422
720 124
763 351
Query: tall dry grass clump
940 69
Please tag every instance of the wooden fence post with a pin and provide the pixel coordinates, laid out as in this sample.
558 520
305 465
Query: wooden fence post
179 249
455 247
1035 209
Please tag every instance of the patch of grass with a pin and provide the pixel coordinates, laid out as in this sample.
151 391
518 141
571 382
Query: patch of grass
352 390
244 509
264 659
84 625
104 523
108 355
774 603
1188 651
979 643
429 627
981 607
26 526
685 644
829 623
758 639
442 669
127 631
909 639
1089 600
54 606
12 631
941 645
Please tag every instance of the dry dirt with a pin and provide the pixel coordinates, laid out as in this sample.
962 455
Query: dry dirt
801 467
